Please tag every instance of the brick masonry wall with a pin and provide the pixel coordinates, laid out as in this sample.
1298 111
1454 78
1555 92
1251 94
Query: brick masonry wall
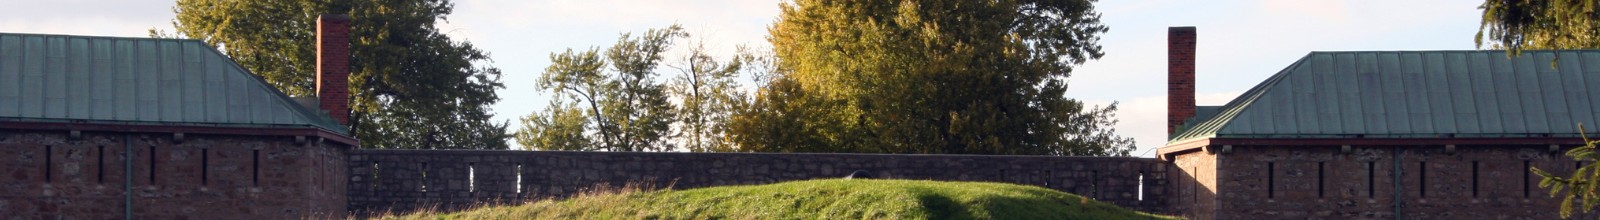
1324 182
48 174
406 180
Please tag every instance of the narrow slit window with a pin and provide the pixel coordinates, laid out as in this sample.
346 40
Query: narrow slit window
519 178
1094 184
47 162
1474 178
255 167
1422 179
1141 185
1372 179
375 171
1051 174
424 176
100 165
1526 164
205 166
1271 184
1194 189
472 177
152 165
1321 179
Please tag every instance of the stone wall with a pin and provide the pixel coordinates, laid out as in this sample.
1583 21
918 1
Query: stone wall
1194 185
49 174
406 180
1326 182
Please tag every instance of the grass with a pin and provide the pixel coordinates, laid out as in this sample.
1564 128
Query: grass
814 199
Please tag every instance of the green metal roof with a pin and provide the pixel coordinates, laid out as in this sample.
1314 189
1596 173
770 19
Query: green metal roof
59 78
1415 94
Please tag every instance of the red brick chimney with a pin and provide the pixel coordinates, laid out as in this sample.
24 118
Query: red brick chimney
1180 76
333 66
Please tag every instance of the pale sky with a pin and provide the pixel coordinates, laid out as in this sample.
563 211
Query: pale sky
1241 42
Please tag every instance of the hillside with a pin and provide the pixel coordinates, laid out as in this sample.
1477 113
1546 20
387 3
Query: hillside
816 199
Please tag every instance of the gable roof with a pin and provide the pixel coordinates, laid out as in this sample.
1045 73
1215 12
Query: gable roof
139 81
1415 94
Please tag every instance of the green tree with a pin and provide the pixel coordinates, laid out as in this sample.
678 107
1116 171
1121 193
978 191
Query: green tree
412 86
1581 191
561 127
1553 24
628 107
706 90
949 77
1546 25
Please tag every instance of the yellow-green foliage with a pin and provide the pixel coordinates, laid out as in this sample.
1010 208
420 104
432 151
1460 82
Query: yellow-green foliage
816 199
1540 25
932 77
1579 192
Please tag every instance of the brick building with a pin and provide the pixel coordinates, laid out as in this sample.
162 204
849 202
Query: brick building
108 127
1380 134
103 127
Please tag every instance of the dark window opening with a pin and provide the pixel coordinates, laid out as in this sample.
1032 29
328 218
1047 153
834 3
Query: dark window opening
1271 184
1195 189
152 165
255 167
1051 174
205 166
100 165
1525 166
1094 184
1422 179
1474 178
1321 179
1372 179
47 162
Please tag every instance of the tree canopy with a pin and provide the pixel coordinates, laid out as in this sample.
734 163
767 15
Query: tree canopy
412 86
951 77
624 105
1553 24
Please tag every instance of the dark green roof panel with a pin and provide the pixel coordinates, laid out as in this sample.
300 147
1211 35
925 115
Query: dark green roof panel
1400 94
59 78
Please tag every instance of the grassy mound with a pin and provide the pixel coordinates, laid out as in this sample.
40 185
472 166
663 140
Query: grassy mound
816 199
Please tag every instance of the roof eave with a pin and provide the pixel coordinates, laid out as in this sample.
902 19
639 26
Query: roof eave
188 129
1199 144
